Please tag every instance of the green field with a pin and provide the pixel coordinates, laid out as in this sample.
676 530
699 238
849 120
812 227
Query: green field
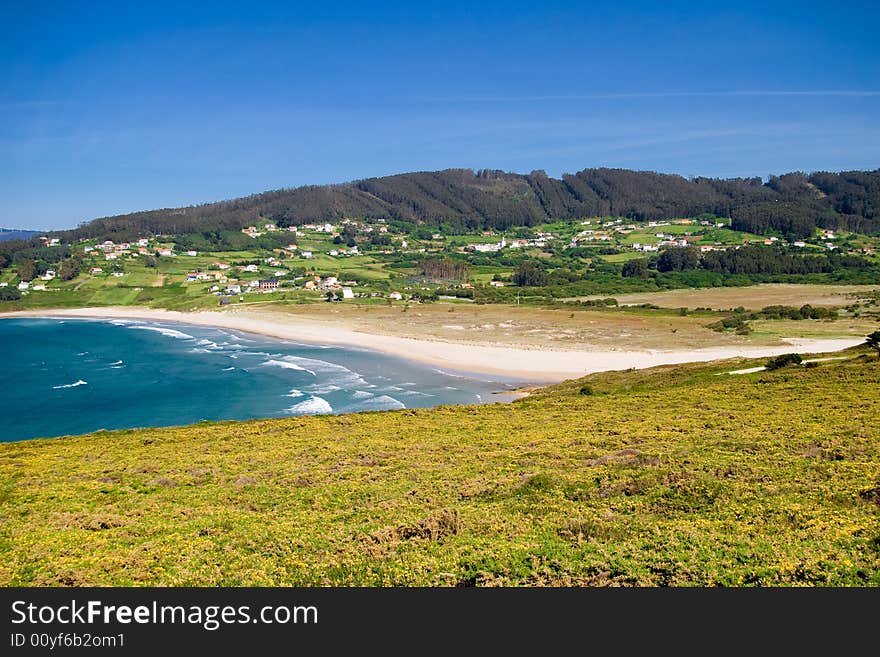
679 475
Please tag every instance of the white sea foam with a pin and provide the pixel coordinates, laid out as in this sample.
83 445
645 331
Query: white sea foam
71 385
118 362
323 389
286 364
445 373
337 375
382 403
295 393
311 406
228 369
361 394
171 333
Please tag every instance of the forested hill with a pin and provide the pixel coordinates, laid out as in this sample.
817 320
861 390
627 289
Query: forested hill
793 204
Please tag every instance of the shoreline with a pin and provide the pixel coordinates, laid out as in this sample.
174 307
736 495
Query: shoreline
538 365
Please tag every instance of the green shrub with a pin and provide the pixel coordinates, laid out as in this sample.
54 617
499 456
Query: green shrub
783 360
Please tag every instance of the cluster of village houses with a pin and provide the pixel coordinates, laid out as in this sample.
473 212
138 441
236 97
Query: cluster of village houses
594 234
540 240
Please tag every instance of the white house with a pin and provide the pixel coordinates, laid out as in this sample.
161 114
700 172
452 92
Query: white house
23 285
192 253
397 296
347 293
306 254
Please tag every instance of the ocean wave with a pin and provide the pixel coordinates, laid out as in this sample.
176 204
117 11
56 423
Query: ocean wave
295 393
361 394
286 364
311 406
382 403
118 362
169 332
323 389
228 369
445 373
338 375
71 385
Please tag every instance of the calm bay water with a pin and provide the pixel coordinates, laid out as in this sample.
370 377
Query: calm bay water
70 376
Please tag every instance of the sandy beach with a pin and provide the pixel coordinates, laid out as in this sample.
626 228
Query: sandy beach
528 363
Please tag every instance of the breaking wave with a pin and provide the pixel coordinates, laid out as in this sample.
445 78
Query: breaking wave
171 333
288 365
71 385
382 403
311 406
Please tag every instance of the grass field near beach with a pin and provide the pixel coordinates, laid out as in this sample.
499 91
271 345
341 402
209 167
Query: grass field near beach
679 475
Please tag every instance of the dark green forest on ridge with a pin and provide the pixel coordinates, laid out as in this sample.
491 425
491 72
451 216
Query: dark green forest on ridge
793 204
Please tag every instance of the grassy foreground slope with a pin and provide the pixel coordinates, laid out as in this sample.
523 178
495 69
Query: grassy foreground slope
675 475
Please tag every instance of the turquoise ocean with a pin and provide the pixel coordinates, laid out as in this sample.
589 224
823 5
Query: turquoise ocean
73 376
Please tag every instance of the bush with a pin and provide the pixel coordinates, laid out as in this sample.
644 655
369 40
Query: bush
586 390
783 360
9 294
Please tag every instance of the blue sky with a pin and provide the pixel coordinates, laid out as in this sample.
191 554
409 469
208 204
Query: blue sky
108 108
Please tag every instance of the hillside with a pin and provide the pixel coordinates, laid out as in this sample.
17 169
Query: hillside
794 203
679 475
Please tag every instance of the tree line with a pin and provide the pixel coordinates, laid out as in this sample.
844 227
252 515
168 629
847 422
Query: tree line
444 269
747 260
793 204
